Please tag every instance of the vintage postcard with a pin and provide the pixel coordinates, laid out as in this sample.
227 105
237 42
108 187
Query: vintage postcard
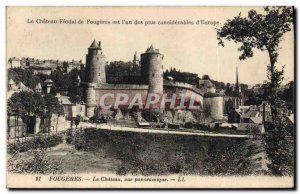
150 97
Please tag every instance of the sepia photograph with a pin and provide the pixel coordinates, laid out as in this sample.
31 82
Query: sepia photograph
150 97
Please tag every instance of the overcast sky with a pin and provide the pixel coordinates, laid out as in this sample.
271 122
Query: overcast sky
192 48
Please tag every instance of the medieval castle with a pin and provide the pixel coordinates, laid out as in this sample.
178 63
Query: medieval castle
151 81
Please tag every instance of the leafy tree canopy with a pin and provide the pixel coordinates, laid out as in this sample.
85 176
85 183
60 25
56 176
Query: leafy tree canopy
262 31
26 103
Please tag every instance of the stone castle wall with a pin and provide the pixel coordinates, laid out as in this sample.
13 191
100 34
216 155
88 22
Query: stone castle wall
152 73
186 91
130 90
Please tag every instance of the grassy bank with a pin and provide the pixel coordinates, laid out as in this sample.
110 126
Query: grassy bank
156 154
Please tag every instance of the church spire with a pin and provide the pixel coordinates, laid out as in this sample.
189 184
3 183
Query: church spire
135 56
237 84
237 93
136 59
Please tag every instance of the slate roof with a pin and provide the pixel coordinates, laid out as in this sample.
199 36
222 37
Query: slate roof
152 50
48 81
248 126
251 113
22 87
206 83
257 120
95 45
11 82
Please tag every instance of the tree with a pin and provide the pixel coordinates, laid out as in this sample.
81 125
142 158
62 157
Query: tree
74 91
167 72
26 76
25 104
29 102
42 77
206 77
68 82
264 32
15 105
58 79
15 108
287 94
65 66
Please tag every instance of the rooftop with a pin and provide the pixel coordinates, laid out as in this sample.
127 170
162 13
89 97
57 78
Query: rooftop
206 83
48 81
11 82
256 120
251 127
151 50
95 45
64 99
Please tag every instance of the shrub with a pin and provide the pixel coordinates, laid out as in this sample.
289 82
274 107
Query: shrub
36 143
38 164
198 126
79 139
69 136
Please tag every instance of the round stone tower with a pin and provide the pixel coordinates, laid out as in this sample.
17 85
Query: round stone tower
95 64
152 69
90 100
94 75
213 105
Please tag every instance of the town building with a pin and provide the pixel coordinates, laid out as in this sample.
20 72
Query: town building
13 88
14 62
44 66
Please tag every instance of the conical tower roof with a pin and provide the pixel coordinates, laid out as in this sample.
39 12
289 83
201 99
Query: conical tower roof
95 45
152 50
